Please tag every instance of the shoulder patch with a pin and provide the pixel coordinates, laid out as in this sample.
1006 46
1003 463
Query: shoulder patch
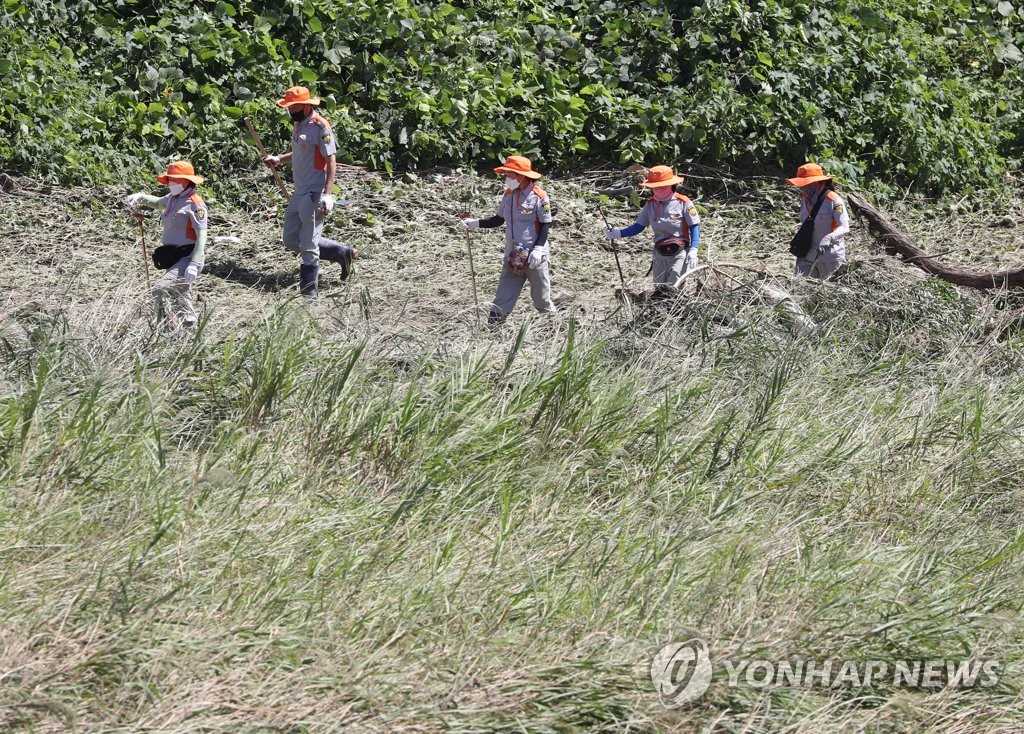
326 137
839 208
546 205
201 213
691 210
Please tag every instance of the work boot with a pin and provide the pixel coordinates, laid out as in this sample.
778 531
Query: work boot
334 252
308 275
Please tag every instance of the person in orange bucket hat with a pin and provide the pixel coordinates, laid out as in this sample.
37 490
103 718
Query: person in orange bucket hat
525 210
313 163
675 223
183 250
831 222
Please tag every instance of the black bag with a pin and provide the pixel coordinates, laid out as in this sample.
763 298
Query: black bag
803 240
166 255
670 246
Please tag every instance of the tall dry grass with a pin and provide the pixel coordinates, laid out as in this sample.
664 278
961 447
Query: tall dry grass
297 529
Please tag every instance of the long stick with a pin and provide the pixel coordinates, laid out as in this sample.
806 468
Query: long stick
615 247
263 152
472 273
145 255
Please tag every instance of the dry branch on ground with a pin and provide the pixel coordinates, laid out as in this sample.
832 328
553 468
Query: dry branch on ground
897 243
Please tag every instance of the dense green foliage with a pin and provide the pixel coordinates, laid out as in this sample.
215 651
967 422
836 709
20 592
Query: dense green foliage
919 94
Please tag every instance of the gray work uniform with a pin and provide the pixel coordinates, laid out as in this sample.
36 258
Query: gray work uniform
184 217
672 218
312 145
524 210
824 259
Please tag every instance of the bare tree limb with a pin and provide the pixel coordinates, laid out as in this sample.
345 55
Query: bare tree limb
897 243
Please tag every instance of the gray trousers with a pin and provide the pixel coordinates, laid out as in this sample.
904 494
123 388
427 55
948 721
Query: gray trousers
821 261
172 292
511 285
817 268
303 223
667 268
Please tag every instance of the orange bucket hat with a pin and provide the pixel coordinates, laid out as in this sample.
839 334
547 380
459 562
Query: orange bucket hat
660 176
518 164
808 173
297 95
180 169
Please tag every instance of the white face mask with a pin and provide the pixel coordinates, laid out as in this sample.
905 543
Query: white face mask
176 188
512 183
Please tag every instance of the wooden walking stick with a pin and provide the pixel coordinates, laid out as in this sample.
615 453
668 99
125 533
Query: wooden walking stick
472 271
145 255
615 248
263 153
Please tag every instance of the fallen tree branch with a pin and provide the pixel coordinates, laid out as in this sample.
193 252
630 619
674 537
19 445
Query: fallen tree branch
799 322
896 242
687 274
720 264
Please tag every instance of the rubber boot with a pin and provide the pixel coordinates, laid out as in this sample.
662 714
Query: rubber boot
308 275
334 252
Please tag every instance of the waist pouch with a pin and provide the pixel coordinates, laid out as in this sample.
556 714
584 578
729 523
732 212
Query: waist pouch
166 255
670 246
517 260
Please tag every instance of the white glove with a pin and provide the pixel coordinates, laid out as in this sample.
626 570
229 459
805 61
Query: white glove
691 258
536 258
191 272
132 200
468 224
613 234
327 203
272 161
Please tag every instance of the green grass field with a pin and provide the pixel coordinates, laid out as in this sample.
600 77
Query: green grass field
372 515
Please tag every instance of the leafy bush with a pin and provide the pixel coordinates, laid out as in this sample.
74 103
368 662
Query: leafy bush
906 94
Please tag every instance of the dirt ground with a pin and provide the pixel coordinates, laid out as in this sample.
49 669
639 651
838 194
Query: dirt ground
76 249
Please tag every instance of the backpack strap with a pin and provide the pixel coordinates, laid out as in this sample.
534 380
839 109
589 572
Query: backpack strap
817 205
